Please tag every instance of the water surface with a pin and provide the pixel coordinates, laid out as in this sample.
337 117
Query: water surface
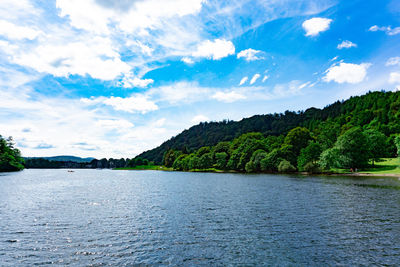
104 217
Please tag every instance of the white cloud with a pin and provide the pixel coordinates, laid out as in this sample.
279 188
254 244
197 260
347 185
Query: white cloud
388 30
393 61
95 57
243 80
255 78
179 93
250 54
133 104
394 77
228 97
130 81
187 60
346 44
12 31
347 73
265 78
217 49
199 118
316 25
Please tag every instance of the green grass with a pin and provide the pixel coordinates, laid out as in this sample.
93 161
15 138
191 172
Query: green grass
146 167
387 166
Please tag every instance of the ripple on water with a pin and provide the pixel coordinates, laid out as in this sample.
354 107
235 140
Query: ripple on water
97 218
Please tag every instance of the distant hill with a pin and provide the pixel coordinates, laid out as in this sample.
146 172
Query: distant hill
374 108
65 158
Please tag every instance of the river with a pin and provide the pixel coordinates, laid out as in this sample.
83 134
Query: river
125 218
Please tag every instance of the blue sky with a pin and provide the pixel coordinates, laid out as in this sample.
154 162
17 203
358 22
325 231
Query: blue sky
112 78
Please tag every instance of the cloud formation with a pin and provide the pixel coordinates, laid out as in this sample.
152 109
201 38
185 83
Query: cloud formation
347 73
217 49
250 54
315 26
346 44
387 29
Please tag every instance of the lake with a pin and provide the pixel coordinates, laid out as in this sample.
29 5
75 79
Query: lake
117 218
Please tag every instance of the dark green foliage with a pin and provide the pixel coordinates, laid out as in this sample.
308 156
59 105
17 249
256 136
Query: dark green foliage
377 144
378 110
286 166
221 159
271 161
254 165
205 161
309 154
297 138
170 156
312 167
343 135
10 157
351 150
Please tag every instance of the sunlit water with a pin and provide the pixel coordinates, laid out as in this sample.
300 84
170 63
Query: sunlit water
104 217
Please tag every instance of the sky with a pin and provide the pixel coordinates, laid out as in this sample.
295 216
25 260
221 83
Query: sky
113 78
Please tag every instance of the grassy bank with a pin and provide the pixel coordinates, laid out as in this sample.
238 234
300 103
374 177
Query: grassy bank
387 166
146 167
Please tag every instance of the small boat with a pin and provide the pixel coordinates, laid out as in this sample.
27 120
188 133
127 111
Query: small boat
70 171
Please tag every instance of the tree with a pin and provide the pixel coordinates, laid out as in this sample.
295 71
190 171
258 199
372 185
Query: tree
170 156
271 161
377 144
285 166
351 149
309 154
10 157
205 161
298 138
221 158
330 158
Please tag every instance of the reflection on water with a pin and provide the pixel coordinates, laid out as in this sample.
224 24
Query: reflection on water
103 217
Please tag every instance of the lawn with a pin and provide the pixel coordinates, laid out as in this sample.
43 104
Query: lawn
146 167
387 166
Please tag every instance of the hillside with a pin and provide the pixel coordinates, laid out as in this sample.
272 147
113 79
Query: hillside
377 109
65 158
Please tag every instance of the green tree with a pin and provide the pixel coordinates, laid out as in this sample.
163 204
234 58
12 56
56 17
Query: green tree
205 161
298 138
351 149
10 157
286 166
309 154
170 156
221 158
376 141
271 161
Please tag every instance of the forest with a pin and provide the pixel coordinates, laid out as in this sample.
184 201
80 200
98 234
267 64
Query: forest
349 134
374 110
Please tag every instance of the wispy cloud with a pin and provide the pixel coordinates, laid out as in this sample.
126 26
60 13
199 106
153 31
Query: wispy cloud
387 29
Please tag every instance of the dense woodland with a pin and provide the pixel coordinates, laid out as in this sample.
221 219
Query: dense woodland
346 134
375 110
10 157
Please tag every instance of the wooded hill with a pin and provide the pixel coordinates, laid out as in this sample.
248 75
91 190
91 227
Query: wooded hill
374 110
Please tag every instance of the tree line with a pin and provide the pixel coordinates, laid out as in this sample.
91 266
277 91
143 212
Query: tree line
328 146
41 163
374 110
